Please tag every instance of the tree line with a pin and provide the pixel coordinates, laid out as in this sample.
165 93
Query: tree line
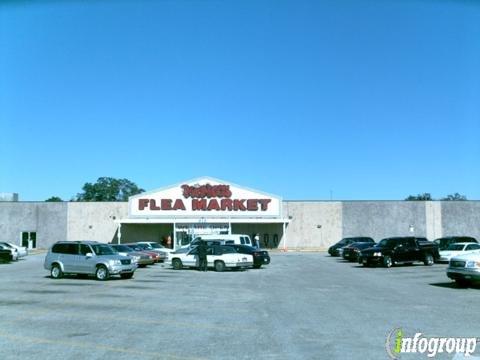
105 189
111 189
428 197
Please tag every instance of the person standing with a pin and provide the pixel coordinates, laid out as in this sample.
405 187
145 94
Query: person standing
202 256
256 240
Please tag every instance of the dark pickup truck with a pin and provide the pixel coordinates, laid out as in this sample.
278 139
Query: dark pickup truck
400 250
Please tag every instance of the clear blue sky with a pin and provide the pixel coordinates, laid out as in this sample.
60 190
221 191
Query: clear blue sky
367 99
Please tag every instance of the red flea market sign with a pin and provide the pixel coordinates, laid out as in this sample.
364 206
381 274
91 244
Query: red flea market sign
204 197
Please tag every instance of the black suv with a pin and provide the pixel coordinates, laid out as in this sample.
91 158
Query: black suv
397 250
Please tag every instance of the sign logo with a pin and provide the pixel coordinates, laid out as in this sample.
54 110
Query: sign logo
397 343
202 197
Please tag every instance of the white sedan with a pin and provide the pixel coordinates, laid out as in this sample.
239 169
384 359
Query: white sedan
456 250
218 257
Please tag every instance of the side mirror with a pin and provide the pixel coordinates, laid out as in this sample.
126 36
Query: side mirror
88 255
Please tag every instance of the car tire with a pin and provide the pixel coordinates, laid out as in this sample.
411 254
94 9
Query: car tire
219 266
428 261
257 266
56 272
387 261
177 264
102 273
462 282
126 276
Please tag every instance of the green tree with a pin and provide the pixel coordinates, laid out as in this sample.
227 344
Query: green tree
108 189
54 199
420 197
455 197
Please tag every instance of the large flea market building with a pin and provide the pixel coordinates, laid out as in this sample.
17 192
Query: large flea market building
208 206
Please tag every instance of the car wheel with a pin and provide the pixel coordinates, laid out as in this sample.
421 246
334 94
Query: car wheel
428 260
462 282
177 264
102 273
257 266
56 272
387 262
219 266
126 276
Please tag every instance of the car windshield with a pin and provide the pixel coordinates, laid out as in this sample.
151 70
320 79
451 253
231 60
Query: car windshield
156 246
455 247
104 250
144 246
122 248
388 243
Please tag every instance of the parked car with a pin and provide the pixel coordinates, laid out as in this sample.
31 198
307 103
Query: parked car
397 250
13 251
5 254
140 258
454 250
219 257
260 257
352 252
147 249
154 246
88 258
444 242
21 250
334 249
464 268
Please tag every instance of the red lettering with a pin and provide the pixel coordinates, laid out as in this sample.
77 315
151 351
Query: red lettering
199 204
143 203
153 205
207 190
227 204
239 205
252 205
213 205
179 205
187 190
264 204
166 204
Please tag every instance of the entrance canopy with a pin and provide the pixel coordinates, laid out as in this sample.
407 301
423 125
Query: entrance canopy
201 205
204 197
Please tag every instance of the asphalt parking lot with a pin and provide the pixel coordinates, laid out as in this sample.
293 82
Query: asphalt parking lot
301 306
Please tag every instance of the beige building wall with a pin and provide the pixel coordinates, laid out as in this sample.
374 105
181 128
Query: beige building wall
94 220
433 216
313 224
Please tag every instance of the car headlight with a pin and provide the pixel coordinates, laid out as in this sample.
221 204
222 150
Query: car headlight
115 262
472 264
377 253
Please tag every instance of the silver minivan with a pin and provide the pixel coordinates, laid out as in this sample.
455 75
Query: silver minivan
87 258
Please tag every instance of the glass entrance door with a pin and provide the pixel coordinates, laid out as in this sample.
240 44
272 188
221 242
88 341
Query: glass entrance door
29 239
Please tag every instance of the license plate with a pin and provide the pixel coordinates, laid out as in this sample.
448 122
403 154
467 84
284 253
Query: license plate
244 259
